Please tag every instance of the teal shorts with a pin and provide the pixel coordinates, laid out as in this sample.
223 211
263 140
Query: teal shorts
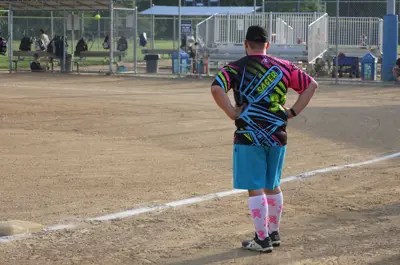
257 167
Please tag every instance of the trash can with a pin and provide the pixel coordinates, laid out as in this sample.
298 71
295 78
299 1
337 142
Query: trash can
200 67
184 62
68 63
152 63
368 67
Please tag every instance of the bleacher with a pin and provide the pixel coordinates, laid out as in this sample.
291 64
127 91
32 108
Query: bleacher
224 54
302 38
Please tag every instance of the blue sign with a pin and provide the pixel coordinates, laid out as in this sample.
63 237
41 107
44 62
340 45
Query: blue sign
186 26
368 67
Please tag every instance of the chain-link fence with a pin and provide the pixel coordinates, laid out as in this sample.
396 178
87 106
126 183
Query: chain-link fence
162 33
3 23
324 44
125 40
313 36
163 38
95 30
356 39
29 26
72 27
356 8
25 26
5 36
348 8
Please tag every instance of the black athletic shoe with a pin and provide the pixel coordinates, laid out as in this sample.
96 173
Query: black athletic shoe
275 238
258 245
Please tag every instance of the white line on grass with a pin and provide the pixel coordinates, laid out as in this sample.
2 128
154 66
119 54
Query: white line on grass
207 197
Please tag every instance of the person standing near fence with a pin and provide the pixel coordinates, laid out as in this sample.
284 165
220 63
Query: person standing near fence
44 38
396 70
260 84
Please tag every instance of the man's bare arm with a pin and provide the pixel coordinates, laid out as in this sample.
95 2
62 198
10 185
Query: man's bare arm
303 99
223 101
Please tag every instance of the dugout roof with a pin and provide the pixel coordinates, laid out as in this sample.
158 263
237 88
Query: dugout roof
57 4
197 11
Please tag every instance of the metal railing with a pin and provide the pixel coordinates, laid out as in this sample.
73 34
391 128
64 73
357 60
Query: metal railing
205 34
284 32
317 42
230 29
298 21
357 31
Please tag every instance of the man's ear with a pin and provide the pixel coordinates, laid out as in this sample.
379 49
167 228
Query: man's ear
267 45
246 44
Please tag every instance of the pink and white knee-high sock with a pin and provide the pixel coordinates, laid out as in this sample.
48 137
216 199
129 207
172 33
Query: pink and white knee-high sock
259 213
275 206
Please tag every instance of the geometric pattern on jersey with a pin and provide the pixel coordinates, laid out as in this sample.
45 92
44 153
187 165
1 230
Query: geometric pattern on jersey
260 122
262 83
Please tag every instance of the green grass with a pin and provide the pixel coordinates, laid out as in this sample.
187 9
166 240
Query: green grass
97 46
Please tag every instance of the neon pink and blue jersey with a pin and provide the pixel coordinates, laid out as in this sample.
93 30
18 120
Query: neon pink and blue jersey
262 83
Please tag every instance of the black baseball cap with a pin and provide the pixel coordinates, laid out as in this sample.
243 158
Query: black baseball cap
257 34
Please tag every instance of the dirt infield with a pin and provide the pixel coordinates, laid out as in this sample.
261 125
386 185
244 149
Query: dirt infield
76 147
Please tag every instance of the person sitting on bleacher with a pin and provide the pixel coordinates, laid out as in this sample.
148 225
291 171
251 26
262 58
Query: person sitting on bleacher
35 65
396 70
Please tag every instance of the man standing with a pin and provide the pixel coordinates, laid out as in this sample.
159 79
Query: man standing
260 84
44 38
396 71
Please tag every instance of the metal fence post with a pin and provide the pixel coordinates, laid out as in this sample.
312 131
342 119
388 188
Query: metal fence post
10 37
63 40
152 28
206 39
254 9
390 40
174 33
228 26
179 36
370 34
216 25
135 41
337 43
52 24
270 27
72 34
98 34
111 36
82 24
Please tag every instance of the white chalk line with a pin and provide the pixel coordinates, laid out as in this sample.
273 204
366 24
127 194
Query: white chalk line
207 197
111 90
6 239
141 210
